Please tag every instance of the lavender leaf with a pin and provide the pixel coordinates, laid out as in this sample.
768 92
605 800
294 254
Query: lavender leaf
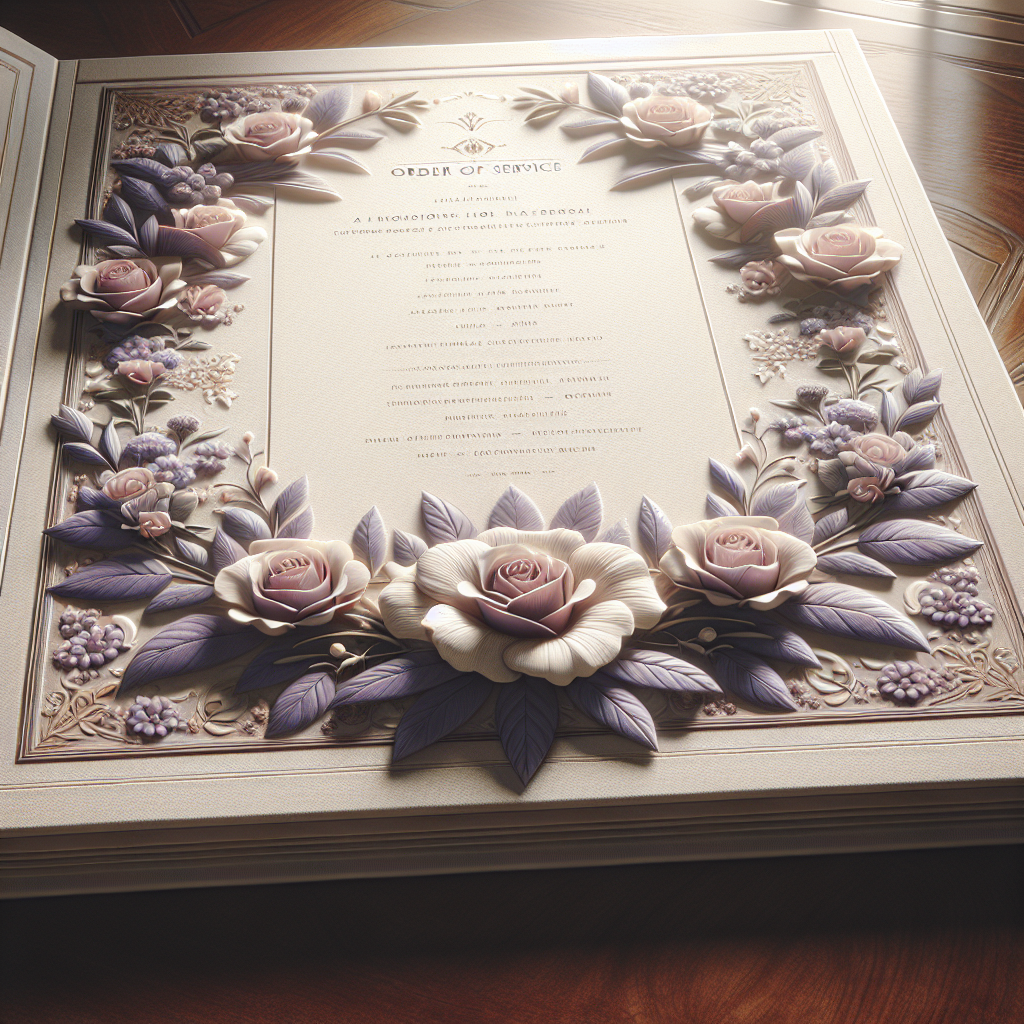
370 540
658 671
617 533
328 108
181 595
353 140
921 456
301 703
110 444
917 415
194 554
224 551
220 278
264 670
104 233
526 714
408 547
121 578
846 611
717 507
290 501
890 412
96 529
299 527
747 677
614 707
918 387
655 531
72 425
438 712
403 676
582 512
926 490
445 522
191 644
841 197
730 481
851 563
830 525
144 168
606 94
516 510
245 526
913 542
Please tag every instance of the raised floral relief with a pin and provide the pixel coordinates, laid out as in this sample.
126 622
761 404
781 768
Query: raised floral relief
259 628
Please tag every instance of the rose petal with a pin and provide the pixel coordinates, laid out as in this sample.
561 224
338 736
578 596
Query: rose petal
594 639
403 607
468 644
619 575
440 569
559 544
513 625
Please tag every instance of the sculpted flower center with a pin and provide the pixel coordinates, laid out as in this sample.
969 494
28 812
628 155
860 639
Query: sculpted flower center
840 242
123 276
736 547
288 562
202 219
666 110
521 570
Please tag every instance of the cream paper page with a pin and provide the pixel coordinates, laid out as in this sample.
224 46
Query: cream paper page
461 323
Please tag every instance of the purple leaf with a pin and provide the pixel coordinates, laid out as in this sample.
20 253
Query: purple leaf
301 703
913 542
846 611
148 170
918 387
264 670
841 197
785 504
917 415
746 253
299 527
830 525
328 108
797 164
730 481
149 234
408 547
84 453
655 531
184 244
224 551
142 195
119 213
853 564
269 173
658 671
96 529
438 712
526 715
181 595
290 501
72 424
582 513
717 507
606 95
110 444
617 533
832 473
194 554
928 489
171 153
590 125
824 177
599 150
399 677
615 707
783 214
245 526
921 456
122 578
104 233
445 522
516 510
191 644
890 412
370 540
790 138
747 677
89 497
734 626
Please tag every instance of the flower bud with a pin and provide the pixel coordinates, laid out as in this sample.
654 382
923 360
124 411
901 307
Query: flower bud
707 634
248 437
755 414
570 93
337 650
371 102
264 478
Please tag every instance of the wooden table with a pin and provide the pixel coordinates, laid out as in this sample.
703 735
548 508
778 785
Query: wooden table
930 936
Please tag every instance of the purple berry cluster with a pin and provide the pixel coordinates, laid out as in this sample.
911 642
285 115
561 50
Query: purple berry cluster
152 718
137 347
210 458
954 601
217 105
197 187
172 470
86 644
147 447
906 682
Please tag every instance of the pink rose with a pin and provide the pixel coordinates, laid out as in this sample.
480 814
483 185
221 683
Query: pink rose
201 300
674 121
154 524
843 257
510 602
129 483
843 339
223 228
271 135
285 583
739 560
879 449
124 291
866 488
763 277
734 204
140 371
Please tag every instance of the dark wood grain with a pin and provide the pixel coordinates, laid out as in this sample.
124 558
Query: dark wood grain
894 938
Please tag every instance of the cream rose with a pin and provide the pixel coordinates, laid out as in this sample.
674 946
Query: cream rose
842 339
739 560
128 483
734 204
202 301
879 449
271 135
285 583
841 258
223 228
674 121
124 292
509 603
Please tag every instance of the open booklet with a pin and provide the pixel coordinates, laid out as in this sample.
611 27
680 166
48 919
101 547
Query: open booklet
434 459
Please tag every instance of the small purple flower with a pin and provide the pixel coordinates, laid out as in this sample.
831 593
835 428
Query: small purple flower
210 458
172 470
136 347
87 644
147 447
152 718
853 413
184 426
794 430
828 440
